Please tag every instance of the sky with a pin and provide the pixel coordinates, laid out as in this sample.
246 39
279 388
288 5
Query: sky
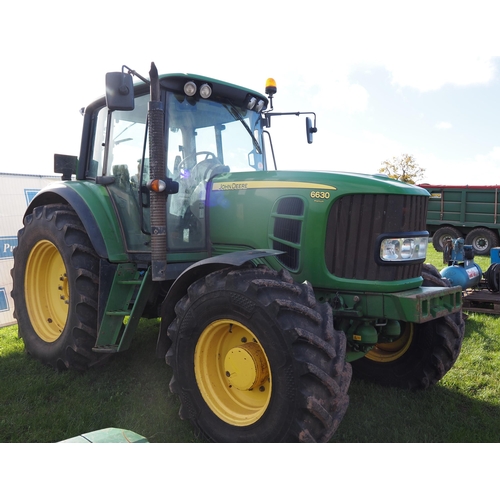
384 78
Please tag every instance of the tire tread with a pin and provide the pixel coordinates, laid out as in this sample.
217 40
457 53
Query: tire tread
320 371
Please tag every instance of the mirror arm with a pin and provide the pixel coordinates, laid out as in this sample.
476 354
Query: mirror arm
267 117
134 73
310 129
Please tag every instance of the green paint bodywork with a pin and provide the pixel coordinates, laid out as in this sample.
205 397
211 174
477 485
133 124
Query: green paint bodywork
240 213
168 76
242 207
418 305
115 334
463 207
98 202
109 435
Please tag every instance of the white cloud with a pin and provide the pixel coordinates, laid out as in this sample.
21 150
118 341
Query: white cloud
432 71
493 155
341 95
483 169
425 45
443 125
362 153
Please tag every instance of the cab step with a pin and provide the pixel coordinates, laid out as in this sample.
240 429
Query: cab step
127 297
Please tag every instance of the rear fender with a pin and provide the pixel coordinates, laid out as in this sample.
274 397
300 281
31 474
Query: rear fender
93 206
194 273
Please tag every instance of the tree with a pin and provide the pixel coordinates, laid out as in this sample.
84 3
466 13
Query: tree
403 168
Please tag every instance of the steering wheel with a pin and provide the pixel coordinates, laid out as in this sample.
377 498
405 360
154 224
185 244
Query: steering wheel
207 153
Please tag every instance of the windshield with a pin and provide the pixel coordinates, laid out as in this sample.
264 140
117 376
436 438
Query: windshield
203 139
203 129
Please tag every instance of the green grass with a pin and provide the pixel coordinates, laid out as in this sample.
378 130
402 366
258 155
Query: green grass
464 407
131 391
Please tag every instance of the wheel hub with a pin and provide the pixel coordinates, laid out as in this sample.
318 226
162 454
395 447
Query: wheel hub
233 372
387 352
246 367
47 291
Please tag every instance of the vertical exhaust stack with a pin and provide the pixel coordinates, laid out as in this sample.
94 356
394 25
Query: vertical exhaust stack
158 208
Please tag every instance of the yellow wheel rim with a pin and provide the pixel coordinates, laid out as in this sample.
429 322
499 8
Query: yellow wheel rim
385 353
232 372
46 291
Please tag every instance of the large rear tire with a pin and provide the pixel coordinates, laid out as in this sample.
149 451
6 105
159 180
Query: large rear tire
442 234
256 359
55 284
482 240
422 355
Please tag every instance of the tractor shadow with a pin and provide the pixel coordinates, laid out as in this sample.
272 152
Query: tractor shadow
456 410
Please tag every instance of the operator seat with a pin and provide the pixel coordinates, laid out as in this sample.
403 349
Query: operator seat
187 208
206 169
122 176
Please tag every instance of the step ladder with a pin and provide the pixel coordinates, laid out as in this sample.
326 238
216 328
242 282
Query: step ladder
127 298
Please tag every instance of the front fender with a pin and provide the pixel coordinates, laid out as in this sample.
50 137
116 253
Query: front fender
194 273
93 206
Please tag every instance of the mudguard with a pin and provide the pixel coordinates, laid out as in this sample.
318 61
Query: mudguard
193 273
93 206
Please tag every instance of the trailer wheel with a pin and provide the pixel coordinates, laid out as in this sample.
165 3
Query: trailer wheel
55 284
422 355
482 240
442 234
256 359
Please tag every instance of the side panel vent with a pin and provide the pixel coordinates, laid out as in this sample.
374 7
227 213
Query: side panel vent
287 230
290 206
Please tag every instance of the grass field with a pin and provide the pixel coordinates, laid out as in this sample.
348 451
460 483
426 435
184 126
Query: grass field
131 391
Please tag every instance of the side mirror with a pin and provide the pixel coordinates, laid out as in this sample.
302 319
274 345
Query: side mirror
119 92
65 165
310 130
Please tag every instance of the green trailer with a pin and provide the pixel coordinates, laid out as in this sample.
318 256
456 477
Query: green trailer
469 212
273 286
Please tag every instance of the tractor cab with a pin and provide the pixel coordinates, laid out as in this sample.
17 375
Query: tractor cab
210 128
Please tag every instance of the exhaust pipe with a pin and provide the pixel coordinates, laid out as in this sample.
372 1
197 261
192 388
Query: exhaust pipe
159 186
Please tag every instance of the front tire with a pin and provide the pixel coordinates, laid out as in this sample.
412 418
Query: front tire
256 359
423 353
55 286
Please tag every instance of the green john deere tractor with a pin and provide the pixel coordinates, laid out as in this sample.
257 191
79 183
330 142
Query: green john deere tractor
272 286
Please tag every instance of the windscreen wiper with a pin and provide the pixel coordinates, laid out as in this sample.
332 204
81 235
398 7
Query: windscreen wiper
236 114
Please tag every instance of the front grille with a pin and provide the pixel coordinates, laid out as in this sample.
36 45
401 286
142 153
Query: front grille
355 222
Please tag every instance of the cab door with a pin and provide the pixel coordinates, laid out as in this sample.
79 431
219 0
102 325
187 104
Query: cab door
119 163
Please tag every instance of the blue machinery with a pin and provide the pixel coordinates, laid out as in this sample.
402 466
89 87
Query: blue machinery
480 291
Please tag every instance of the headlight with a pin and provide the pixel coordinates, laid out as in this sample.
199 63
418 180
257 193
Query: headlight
190 89
403 248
